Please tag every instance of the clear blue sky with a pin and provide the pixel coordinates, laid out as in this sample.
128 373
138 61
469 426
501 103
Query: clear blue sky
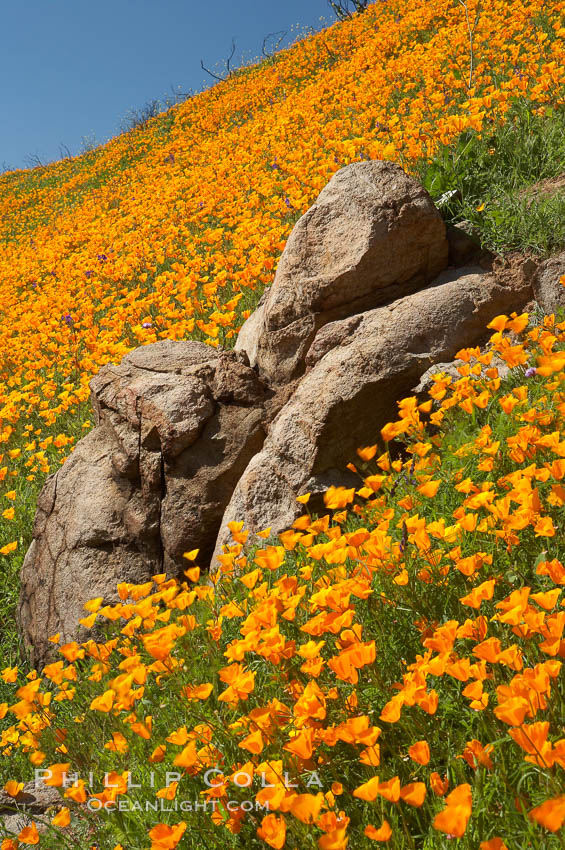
71 69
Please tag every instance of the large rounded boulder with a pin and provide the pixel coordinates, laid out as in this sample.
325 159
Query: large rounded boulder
372 236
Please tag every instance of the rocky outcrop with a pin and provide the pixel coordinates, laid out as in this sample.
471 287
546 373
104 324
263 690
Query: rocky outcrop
358 368
188 438
177 423
372 236
549 292
34 799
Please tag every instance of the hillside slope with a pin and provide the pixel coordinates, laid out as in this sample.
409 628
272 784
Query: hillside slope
390 672
175 230
405 646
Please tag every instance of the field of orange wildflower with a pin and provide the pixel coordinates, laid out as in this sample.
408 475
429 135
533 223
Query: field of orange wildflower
387 673
174 230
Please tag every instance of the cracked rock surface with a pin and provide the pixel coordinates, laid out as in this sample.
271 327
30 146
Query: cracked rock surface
34 799
548 289
176 425
357 369
372 236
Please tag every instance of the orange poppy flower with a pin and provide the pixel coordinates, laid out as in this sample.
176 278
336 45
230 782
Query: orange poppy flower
438 785
273 831
454 818
551 814
414 793
420 752
513 711
29 834
62 818
383 833
165 837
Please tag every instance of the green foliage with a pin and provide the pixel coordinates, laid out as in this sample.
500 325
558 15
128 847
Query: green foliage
488 179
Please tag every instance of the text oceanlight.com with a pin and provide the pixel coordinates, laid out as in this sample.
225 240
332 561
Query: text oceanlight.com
158 805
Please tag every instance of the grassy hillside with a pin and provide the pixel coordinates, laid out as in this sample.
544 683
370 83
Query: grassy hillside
387 673
172 231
